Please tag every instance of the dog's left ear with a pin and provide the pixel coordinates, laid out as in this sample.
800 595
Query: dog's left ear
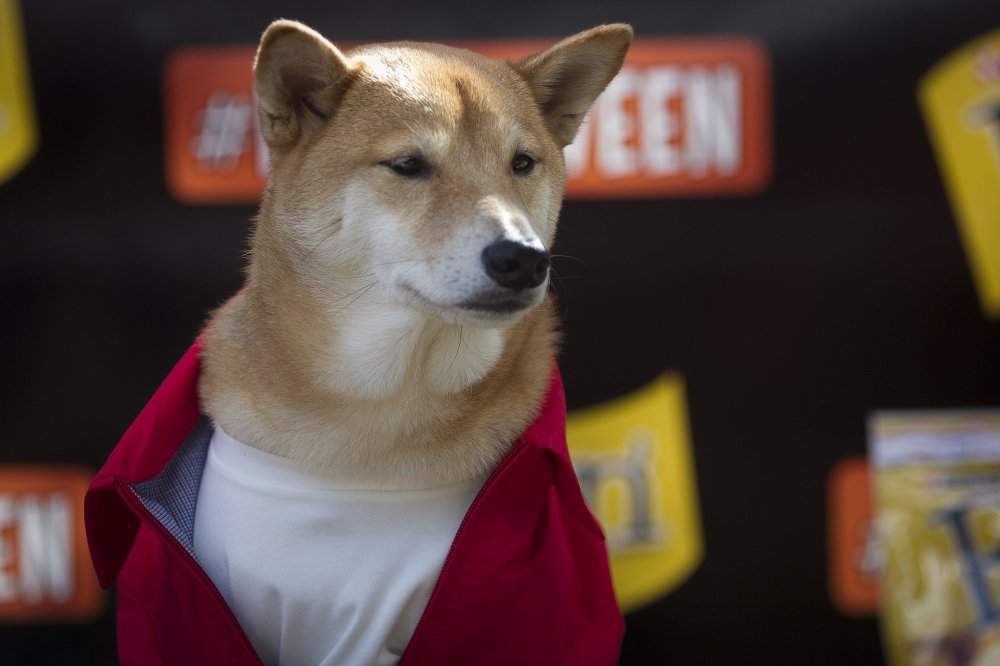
300 78
568 77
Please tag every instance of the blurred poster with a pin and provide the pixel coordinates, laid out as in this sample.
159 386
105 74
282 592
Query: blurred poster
633 458
937 480
45 570
215 152
854 554
684 117
18 131
960 98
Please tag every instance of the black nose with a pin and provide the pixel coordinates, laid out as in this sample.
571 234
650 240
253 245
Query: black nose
516 265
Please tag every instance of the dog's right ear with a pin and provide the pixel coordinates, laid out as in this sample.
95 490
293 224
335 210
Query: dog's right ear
300 78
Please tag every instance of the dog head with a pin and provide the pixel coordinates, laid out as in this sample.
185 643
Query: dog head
434 173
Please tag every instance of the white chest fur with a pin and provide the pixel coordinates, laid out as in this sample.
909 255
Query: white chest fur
381 347
315 572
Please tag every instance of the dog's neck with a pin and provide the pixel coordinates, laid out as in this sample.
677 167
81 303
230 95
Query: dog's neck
386 350
382 394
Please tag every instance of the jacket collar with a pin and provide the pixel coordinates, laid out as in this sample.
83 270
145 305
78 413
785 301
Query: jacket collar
150 447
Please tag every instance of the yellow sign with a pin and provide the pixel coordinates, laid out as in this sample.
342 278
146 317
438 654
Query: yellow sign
633 459
961 104
18 133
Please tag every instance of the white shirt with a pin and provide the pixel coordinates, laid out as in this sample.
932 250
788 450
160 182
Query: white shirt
318 574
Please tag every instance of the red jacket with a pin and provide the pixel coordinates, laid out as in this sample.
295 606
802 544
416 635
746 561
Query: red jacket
526 580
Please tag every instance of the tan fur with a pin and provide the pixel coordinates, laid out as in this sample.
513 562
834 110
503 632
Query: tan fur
350 345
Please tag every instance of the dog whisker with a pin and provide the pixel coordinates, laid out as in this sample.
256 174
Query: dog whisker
400 261
363 290
568 256
556 277
458 348
333 229
359 289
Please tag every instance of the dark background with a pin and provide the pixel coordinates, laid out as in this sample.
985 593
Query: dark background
840 289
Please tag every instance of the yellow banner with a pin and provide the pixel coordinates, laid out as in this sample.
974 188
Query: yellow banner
960 98
18 131
633 458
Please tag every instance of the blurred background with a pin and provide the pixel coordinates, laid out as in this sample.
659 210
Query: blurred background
766 241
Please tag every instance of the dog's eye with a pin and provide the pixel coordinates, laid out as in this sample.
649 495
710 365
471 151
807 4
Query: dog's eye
522 164
409 166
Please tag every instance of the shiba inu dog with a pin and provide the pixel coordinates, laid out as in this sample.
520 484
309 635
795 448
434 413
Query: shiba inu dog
394 325
392 341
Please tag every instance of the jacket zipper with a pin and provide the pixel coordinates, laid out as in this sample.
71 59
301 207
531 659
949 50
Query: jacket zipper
500 466
133 499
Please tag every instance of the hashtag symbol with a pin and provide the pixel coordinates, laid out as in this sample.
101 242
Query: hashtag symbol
223 128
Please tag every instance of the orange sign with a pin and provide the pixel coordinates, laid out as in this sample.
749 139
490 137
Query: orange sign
853 554
210 133
45 570
684 117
